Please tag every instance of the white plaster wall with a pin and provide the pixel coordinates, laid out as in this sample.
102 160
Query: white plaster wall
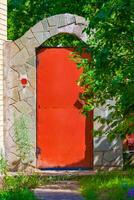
3 38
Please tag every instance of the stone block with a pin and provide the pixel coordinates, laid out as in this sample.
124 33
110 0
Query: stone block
42 36
13 75
32 61
70 18
106 163
45 25
98 158
19 44
25 93
62 20
30 42
80 20
118 161
37 28
77 31
31 101
20 58
31 72
14 49
23 107
53 21
65 19
117 144
11 101
15 94
32 82
84 37
101 144
67 29
53 30
112 156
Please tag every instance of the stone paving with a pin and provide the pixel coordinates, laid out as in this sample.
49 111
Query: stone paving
65 190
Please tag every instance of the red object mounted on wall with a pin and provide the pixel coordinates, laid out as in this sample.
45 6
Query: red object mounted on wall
64 135
24 82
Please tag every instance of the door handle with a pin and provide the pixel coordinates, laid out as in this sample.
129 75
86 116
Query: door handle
78 104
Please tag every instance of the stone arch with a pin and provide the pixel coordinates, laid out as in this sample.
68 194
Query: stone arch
20 62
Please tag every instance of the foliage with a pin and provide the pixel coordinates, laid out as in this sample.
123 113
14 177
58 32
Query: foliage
110 74
23 14
64 40
23 194
3 165
22 140
107 185
18 181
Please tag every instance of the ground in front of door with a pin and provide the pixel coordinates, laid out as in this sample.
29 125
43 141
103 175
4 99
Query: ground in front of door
61 190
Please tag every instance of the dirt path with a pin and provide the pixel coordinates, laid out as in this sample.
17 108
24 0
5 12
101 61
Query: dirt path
63 190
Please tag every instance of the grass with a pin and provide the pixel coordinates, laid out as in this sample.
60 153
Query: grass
107 185
23 194
101 186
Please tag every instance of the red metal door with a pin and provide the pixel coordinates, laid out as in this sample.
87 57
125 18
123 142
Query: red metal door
64 135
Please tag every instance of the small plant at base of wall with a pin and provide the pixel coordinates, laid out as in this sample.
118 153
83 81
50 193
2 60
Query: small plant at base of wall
24 148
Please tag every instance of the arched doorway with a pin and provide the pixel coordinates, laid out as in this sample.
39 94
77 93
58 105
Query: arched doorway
22 101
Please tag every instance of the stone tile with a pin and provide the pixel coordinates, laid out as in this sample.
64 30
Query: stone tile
32 61
20 69
42 36
15 94
84 37
65 19
78 31
29 41
14 49
67 29
25 93
31 72
11 101
62 20
20 58
37 28
32 82
101 144
118 161
13 75
106 164
53 30
19 43
23 107
45 25
117 144
53 21
111 156
70 18
80 20
98 158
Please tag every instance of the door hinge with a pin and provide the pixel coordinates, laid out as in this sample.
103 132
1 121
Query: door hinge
37 61
38 151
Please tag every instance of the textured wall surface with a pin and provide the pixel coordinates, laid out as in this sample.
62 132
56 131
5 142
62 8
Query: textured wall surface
3 38
107 154
20 62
